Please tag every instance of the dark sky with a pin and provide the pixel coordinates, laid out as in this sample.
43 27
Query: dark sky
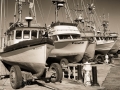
102 7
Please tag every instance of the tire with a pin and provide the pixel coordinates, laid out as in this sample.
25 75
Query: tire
16 77
99 59
58 73
63 62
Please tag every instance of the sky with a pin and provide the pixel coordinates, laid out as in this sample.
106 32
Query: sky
107 7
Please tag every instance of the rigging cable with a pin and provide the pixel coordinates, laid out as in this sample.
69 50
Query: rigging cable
97 18
84 8
49 13
34 12
68 11
75 9
40 11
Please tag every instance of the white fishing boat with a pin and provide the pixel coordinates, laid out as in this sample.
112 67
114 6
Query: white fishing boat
104 41
87 28
115 48
27 51
103 46
69 46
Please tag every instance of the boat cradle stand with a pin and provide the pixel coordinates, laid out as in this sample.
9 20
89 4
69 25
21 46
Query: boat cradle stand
73 71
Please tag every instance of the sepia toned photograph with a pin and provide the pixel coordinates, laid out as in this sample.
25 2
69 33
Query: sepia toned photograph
59 45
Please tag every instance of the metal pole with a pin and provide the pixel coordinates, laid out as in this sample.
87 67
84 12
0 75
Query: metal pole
94 76
20 9
79 68
1 23
56 13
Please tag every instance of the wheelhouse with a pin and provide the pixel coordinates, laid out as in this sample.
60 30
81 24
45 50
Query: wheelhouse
23 33
62 31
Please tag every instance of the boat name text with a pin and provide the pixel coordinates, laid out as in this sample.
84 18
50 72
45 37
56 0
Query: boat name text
77 42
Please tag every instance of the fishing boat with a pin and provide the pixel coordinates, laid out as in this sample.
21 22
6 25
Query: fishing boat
104 41
69 46
27 51
115 48
87 29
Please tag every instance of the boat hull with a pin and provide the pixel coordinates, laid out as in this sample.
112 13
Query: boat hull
104 48
31 58
115 47
73 50
90 51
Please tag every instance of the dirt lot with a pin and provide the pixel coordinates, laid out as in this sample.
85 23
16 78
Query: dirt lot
66 84
112 81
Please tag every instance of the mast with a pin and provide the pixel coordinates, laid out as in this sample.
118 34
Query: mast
1 23
20 10
59 4
105 24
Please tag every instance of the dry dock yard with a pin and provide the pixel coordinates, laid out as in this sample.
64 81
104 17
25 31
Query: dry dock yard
108 78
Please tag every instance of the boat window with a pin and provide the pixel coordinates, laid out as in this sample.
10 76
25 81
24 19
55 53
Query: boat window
34 34
55 38
64 37
97 38
77 36
26 34
18 34
101 38
40 34
110 38
106 38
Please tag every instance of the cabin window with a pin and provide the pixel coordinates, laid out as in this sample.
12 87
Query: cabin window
106 38
75 36
26 34
64 37
18 34
101 38
34 34
97 38
55 38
